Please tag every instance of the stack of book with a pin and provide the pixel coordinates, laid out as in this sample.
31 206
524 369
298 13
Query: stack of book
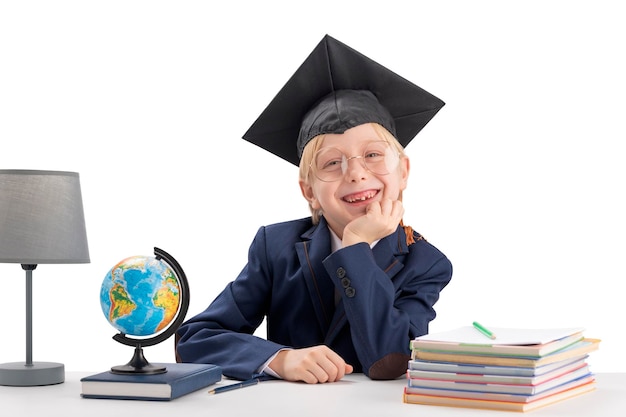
499 368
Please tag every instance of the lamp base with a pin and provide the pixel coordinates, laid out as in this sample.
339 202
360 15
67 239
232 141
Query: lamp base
20 374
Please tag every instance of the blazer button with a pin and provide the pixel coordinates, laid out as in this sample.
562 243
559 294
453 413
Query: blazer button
345 282
341 272
350 292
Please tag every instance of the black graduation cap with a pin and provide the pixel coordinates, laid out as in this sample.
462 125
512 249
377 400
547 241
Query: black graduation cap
334 89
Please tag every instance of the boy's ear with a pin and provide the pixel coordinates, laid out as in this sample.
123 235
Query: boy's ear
309 195
405 167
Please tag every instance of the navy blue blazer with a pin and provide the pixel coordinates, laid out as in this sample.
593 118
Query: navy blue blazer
386 298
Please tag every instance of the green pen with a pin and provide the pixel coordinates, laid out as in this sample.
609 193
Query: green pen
483 330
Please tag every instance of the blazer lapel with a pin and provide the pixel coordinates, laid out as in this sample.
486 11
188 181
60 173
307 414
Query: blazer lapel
314 247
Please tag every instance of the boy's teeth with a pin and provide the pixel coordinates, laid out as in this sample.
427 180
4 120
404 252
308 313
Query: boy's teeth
361 198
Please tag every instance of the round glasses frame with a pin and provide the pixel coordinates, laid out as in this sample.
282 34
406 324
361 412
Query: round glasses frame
331 164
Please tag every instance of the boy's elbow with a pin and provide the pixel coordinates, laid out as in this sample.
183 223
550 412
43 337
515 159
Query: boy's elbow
391 366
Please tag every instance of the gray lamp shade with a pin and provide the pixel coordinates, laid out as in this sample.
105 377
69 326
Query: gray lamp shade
41 218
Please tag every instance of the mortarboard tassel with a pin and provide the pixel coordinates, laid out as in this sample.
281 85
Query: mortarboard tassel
408 230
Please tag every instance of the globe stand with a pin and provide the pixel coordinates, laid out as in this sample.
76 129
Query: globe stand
138 365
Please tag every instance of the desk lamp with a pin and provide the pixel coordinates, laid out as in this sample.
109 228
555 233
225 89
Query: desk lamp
41 222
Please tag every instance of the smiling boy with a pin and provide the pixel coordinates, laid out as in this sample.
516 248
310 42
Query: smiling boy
346 289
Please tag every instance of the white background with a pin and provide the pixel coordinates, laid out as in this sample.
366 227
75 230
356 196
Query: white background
519 179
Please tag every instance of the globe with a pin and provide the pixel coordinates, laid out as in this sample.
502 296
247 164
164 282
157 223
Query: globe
140 295
148 298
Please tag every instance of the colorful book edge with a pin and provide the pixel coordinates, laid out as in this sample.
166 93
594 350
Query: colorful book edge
498 405
579 348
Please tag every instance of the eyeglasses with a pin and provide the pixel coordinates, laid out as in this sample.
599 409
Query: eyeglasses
378 157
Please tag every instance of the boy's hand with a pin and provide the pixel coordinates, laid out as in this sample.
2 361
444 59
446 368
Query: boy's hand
380 220
317 364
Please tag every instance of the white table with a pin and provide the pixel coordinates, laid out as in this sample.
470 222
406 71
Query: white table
354 396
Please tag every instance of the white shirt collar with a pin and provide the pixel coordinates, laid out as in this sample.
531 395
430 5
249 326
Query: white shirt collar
335 242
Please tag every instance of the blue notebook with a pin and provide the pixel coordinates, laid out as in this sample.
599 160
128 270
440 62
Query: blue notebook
180 379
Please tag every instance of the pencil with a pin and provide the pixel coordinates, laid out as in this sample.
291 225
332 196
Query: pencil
237 385
483 330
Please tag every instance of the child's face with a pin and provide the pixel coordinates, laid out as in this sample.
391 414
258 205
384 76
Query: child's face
347 197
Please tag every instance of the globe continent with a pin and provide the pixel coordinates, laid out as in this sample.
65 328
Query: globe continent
140 296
